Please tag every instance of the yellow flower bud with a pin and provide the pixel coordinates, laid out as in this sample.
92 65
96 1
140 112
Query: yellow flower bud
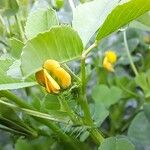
51 84
44 79
50 65
40 77
63 77
109 59
111 56
107 65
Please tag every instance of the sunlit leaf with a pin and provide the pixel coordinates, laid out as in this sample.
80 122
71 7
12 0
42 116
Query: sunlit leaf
122 15
108 15
7 82
88 17
39 21
16 47
60 43
145 19
10 7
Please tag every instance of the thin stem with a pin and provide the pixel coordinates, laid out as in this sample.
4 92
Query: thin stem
83 76
95 134
20 28
83 100
9 27
20 102
71 73
2 20
4 24
2 42
72 5
128 53
32 112
74 118
4 128
86 52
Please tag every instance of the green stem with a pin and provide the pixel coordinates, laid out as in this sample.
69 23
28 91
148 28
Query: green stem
86 52
9 27
12 131
4 24
95 134
20 28
20 102
71 73
83 100
74 118
14 98
83 76
128 54
2 42
33 112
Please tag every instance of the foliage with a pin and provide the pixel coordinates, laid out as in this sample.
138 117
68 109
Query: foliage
106 104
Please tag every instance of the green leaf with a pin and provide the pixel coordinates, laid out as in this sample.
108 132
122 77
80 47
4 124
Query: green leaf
14 70
23 145
100 113
145 19
16 47
7 82
10 119
113 143
2 28
18 127
139 25
83 1
10 7
122 15
147 110
60 43
127 85
106 96
139 132
39 21
2 4
142 23
53 115
40 143
88 17
51 102
143 80
84 136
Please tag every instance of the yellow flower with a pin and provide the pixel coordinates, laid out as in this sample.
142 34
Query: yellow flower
44 78
109 60
51 65
63 77
107 65
111 56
